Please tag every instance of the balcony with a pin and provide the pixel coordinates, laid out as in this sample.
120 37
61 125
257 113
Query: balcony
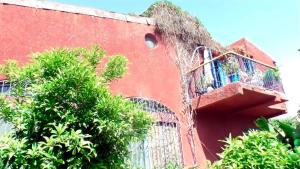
236 84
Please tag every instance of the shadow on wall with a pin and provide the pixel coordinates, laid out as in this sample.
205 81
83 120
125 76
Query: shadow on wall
215 127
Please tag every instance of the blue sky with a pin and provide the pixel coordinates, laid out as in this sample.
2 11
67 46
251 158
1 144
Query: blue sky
272 25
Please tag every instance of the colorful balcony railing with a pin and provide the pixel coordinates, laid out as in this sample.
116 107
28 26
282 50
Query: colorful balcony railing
230 68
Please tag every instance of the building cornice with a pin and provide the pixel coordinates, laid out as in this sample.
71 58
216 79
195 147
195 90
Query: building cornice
79 10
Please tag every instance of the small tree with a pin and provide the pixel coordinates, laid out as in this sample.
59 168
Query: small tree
66 117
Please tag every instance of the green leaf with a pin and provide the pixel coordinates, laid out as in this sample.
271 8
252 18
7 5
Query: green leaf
297 131
264 124
297 142
288 130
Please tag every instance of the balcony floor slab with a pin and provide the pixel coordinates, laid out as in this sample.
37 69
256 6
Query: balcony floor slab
242 99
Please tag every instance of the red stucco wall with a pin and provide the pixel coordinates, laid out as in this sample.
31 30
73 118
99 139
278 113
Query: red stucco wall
212 129
152 72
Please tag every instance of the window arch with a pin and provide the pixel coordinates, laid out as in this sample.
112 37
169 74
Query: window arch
162 146
151 106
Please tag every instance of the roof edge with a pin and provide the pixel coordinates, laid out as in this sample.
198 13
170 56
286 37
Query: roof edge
247 41
79 10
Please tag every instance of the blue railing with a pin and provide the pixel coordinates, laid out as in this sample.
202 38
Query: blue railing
232 68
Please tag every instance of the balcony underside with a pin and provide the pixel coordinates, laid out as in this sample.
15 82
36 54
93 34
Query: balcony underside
241 99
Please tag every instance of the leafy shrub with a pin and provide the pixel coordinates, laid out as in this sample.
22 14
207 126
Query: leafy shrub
66 117
256 150
288 131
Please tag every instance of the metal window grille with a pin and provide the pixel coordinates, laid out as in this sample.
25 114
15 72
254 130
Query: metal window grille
5 86
162 146
249 66
4 127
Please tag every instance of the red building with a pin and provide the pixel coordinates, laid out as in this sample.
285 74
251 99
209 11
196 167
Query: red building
224 102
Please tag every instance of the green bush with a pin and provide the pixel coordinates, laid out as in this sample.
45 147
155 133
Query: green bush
287 130
66 117
256 150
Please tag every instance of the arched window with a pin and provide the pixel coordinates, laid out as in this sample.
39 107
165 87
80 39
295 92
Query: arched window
162 147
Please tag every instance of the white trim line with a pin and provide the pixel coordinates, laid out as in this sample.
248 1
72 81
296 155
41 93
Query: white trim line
79 10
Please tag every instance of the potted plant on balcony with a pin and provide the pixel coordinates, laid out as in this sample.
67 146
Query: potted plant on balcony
203 85
272 74
231 67
271 78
